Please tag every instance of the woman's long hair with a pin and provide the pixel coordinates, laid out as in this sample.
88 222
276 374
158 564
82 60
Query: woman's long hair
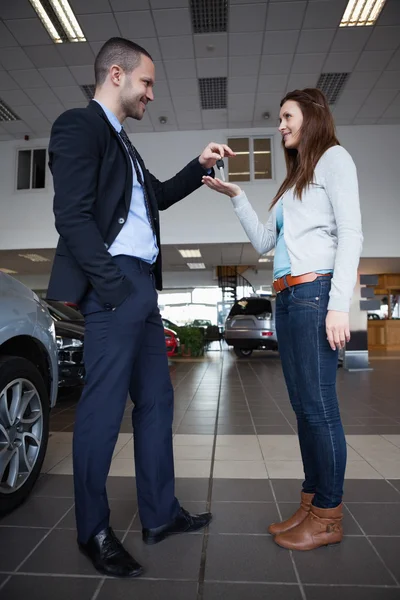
317 134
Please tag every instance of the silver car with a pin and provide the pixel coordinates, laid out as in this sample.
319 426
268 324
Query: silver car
250 326
28 389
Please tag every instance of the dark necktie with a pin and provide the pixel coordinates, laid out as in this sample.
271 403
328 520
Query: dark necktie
132 153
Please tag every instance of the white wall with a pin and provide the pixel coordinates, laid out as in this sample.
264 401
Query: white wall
26 219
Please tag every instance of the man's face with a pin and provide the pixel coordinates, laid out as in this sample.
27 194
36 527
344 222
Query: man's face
137 89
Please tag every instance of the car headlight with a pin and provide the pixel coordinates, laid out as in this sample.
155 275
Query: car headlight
64 342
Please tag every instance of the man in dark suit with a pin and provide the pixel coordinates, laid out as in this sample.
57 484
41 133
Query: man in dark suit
108 261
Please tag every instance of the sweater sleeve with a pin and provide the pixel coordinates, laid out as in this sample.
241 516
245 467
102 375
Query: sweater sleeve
342 188
262 237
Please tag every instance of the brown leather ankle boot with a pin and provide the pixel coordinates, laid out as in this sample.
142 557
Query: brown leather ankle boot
295 519
321 527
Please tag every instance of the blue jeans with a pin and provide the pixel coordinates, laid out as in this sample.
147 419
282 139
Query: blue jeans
309 366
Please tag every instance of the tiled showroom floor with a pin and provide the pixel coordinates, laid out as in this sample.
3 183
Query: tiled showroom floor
236 452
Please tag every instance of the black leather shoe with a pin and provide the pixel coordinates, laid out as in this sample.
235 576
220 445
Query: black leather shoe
109 556
183 523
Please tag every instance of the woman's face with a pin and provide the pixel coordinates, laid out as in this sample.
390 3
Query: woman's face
291 120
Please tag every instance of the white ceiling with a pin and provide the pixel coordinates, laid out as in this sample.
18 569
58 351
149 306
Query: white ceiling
271 47
212 255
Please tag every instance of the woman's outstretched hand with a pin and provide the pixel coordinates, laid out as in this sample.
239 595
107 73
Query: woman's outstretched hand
223 187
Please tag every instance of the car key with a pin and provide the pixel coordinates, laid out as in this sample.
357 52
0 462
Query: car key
220 165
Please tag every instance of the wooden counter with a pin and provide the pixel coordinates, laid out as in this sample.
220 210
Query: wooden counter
384 334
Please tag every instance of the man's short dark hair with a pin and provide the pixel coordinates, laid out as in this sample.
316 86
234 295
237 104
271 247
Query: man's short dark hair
117 51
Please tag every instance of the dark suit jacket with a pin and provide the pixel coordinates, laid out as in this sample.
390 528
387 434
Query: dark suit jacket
92 175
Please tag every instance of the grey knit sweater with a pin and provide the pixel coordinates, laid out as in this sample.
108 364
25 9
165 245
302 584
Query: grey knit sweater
322 231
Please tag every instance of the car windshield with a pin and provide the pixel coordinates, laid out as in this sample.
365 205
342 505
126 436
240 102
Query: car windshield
62 312
251 306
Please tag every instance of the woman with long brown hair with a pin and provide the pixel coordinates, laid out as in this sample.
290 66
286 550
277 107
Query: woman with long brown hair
315 227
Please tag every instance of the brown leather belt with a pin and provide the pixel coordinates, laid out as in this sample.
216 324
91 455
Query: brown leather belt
289 281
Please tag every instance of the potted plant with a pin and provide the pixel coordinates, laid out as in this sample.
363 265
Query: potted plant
192 341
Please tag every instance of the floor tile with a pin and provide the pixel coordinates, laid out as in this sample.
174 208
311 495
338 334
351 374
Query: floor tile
122 466
193 440
383 519
190 489
176 558
39 512
350 559
350 593
64 467
287 490
247 557
280 447
192 452
370 491
235 452
192 468
389 550
396 483
16 544
244 441
393 439
361 470
148 590
253 591
196 429
243 517
122 513
285 469
275 429
59 553
239 430
55 486
241 491
121 487
49 588
236 469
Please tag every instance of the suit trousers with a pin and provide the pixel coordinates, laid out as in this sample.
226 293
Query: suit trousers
124 353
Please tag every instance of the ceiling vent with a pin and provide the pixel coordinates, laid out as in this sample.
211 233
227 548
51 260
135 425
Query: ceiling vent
332 85
6 114
212 92
209 16
88 90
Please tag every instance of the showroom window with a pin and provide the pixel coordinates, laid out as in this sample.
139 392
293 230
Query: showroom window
31 169
253 160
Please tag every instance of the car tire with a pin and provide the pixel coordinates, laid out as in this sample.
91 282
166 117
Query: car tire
243 352
24 429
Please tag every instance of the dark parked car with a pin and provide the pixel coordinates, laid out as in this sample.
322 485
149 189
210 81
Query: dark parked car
70 331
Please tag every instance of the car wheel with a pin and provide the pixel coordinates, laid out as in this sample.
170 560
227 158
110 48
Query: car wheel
24 429
243 352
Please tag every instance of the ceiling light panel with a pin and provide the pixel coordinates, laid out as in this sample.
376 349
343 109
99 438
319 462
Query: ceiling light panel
8 271
362 13
59 20
34 257
6 114
196 265
190 253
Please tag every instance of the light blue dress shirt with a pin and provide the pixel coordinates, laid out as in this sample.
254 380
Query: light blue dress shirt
136 237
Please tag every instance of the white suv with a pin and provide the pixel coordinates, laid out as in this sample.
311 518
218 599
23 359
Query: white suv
28 389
